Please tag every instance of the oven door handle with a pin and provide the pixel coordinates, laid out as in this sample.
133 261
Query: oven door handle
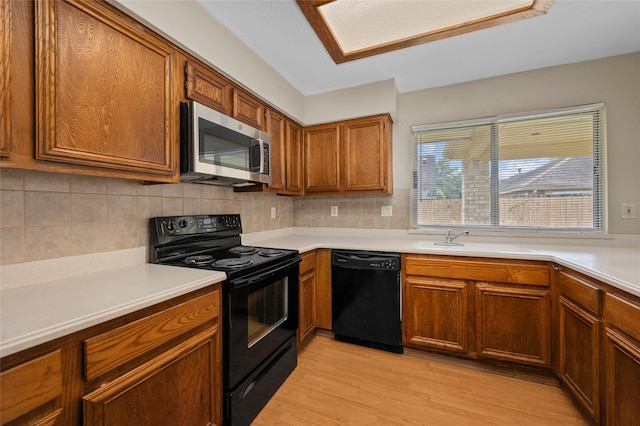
243 282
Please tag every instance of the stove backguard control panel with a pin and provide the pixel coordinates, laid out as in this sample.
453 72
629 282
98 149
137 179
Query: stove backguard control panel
169 228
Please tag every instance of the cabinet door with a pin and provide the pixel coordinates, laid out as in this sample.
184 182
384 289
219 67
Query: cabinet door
579 355
207 87
321 159
365 155
307 305
622 361
579 310
276 128
323 281
435 313
179 387
17 84
294 158
513 323
32 391
105 90
248 109
307 296
5 77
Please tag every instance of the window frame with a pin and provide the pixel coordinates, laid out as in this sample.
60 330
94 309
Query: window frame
599 180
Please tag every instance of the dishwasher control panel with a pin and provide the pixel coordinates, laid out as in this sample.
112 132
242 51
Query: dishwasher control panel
366 260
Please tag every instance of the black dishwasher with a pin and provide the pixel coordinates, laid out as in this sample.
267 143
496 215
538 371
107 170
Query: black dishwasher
366 298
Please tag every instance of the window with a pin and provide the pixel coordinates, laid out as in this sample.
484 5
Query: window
540 171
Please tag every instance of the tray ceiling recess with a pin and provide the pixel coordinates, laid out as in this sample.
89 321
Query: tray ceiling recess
353 29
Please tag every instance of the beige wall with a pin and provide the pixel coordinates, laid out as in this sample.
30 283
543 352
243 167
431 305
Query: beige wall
614 81
360 101
47 215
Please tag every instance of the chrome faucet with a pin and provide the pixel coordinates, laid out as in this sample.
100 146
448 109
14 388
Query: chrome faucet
450 238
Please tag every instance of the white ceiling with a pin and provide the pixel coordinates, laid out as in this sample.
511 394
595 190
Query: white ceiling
572 31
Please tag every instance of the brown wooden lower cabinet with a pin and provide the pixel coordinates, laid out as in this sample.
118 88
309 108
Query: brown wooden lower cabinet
621 361
158 366
178 388
579 304
307 290
478 308
579 355
513 323
31 393
436 313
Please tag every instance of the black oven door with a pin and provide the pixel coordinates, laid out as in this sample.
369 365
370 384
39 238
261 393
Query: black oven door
261 314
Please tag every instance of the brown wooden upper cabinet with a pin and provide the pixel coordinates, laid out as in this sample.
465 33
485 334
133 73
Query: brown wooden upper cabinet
17 83
105 91
208 87
286 154
5 78
248 109
352 156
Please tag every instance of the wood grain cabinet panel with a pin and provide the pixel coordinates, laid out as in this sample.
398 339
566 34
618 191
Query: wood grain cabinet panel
105 93
435 313
307 294
5 77
579 355
293 158
17 85
32 391
495 310
114 348
208 87
321 159
351 156
579 329
622 361
178 387
276 128
248 109
323 278
513 323
366 154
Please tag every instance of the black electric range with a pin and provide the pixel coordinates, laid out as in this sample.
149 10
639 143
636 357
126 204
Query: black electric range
210 242
260 303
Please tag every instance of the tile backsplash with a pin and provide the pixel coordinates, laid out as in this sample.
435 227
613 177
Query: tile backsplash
51 215
353 211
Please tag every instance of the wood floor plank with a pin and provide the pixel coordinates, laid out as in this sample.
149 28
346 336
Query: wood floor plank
339 383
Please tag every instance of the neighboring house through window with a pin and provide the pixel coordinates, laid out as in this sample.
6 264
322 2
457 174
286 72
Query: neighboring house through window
540 171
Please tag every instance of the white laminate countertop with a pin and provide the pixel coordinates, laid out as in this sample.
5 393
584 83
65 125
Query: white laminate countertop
38 313
44 300
615 265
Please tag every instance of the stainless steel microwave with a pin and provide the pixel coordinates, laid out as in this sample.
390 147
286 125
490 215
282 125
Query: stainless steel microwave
220 150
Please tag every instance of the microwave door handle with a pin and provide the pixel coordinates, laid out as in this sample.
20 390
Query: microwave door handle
262 165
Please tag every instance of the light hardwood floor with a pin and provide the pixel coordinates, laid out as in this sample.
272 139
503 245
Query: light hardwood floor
339 383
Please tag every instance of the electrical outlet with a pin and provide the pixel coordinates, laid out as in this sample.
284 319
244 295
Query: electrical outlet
273 212
386 211
334 211
628 210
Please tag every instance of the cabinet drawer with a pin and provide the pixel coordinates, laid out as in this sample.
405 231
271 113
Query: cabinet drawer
462 268
114 348
308 262
30 385
622 314
581 292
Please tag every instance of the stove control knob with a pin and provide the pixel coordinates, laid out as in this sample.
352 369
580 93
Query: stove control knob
171 225
183 223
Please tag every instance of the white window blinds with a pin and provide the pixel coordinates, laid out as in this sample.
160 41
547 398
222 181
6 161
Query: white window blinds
534 171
